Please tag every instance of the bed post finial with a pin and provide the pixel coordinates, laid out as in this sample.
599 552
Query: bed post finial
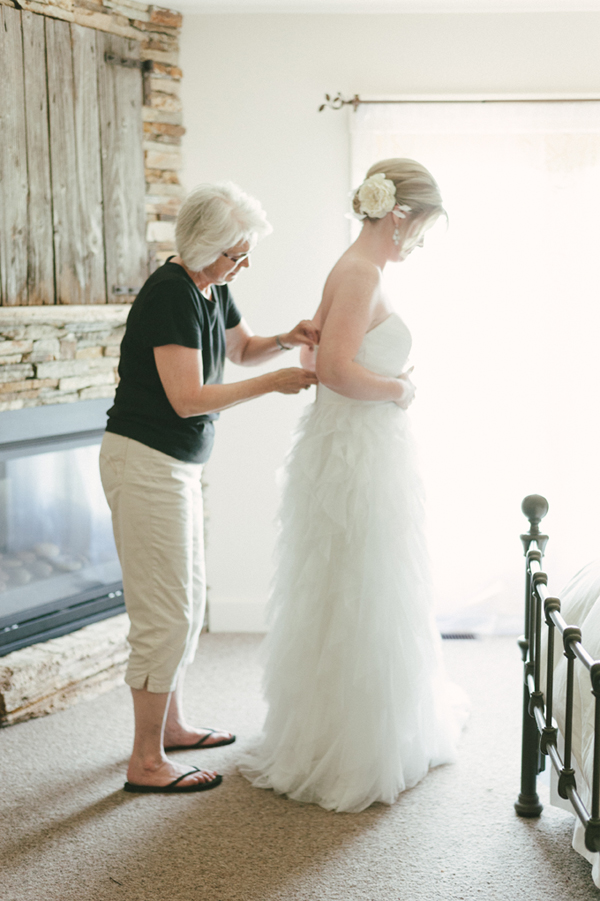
534 507
528 803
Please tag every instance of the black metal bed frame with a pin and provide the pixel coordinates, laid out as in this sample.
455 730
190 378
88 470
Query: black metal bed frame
539 729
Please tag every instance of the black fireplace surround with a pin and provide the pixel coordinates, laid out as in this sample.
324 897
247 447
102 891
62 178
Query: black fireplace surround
59 569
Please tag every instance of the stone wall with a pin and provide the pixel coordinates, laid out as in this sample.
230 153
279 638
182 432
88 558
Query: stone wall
64 354
59 354
51 676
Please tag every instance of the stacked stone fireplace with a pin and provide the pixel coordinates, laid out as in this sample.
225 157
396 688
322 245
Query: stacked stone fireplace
63 356
62 361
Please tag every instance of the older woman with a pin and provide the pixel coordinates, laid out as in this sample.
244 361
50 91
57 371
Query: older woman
160 432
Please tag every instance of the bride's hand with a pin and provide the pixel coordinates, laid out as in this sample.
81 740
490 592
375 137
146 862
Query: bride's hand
408 390
304 333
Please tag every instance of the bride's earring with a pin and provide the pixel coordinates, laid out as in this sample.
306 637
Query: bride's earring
396 237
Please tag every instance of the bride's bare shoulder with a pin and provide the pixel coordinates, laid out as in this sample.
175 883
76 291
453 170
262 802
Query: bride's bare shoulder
355 280
352 269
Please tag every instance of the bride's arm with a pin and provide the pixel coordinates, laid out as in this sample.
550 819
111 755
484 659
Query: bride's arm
308 352
348 319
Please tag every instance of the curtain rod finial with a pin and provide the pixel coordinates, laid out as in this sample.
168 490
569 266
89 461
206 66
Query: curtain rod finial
339 101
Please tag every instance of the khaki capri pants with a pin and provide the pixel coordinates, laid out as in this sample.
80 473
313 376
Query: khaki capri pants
156 506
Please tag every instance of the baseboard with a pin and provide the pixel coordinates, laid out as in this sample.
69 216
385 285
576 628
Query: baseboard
236 616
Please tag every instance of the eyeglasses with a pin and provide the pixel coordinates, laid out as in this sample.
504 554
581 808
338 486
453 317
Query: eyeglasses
238 257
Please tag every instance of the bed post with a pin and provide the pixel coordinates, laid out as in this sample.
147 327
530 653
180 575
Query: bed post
528 804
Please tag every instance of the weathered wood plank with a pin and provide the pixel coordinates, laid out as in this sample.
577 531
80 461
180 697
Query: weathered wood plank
89 174
102 21
40 263
13 162
59 9
120 95
68 255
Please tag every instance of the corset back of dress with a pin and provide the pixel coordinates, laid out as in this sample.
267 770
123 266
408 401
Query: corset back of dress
384 350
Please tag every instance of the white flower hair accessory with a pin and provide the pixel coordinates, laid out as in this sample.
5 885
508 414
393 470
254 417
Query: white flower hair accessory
377 197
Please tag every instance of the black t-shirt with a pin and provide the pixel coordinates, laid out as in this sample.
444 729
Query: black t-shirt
170 310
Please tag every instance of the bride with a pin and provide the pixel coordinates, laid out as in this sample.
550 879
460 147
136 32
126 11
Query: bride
359 705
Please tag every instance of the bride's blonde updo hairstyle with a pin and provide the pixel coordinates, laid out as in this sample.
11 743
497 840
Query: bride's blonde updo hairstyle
415 188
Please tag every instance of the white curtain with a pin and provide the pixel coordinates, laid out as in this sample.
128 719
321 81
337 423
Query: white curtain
504 308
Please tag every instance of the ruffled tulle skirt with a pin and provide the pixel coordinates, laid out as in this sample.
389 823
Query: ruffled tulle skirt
359 704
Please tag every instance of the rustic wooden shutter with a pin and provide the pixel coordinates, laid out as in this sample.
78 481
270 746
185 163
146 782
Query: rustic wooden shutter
13 162
121 129
40 256
72 209
75 165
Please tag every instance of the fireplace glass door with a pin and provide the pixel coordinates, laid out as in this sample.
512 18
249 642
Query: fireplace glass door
58 562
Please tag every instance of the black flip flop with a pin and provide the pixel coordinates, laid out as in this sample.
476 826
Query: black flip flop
174 787
200 743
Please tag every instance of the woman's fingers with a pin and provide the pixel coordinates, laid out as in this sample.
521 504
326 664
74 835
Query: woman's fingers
304 333
293 380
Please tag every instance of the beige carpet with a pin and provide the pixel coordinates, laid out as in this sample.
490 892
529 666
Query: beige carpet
69 833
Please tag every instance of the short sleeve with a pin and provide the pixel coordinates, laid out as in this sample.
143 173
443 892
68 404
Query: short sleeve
172 315
233 316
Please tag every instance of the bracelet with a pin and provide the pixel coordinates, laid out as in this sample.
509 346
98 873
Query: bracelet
280 345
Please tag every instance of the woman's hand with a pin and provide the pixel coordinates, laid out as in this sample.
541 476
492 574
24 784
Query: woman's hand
247 349
180 372
304 333
408 390
293 380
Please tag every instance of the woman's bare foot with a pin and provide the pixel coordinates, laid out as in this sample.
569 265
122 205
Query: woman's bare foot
186 736
163 773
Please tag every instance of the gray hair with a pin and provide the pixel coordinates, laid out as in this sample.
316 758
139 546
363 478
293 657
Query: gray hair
214 218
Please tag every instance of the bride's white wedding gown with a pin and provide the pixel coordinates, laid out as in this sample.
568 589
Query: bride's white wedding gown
359 704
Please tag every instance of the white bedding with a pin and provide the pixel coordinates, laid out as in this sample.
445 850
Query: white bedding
580 606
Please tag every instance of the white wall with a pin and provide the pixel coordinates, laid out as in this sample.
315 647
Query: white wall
252 85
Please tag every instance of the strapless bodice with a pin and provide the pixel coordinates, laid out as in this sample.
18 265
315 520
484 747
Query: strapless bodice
384 350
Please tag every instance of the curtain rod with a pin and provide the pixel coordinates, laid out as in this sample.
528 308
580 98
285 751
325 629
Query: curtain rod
339 101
